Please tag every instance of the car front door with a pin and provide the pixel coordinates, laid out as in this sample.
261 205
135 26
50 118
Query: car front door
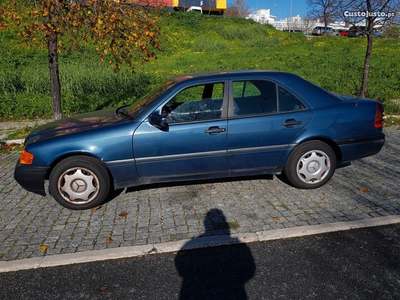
263 120
192 143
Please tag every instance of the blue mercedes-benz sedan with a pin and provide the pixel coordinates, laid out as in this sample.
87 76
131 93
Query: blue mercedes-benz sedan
201 126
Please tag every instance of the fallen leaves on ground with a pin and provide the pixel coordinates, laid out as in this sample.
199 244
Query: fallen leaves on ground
5 148
276 218
123 214
364 190
96 208
108 240
43 248
103 288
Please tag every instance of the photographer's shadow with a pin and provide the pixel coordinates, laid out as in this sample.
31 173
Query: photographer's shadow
217 272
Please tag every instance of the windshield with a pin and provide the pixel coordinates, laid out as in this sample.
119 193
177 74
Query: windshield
139 106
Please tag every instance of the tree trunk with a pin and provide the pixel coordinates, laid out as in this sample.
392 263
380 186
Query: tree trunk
54 77
364 83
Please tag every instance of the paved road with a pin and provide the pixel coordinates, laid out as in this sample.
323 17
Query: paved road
175 212
357 264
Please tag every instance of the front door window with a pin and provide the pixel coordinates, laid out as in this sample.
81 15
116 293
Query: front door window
194 143
196 103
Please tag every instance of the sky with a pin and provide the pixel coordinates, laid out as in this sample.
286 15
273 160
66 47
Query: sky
280 9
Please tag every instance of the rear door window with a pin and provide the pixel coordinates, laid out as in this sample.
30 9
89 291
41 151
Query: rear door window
254 97
257 97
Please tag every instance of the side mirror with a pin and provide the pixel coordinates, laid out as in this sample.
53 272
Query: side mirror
159 122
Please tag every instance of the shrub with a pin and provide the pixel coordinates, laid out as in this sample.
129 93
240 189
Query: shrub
392 32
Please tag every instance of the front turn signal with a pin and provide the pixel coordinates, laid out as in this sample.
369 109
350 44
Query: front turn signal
26 158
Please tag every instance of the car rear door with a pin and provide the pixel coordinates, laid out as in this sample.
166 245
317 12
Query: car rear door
194 143
263 120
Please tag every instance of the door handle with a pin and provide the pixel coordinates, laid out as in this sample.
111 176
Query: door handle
291 122
212 130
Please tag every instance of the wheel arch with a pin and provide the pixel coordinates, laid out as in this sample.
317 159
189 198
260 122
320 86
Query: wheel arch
311 163
331 143
66 155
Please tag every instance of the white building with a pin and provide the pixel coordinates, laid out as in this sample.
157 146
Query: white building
289 23
263 16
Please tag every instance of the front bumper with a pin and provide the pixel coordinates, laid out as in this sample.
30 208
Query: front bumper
31 178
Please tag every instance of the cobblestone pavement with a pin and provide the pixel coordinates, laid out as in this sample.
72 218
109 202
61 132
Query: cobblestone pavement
367 189
8 127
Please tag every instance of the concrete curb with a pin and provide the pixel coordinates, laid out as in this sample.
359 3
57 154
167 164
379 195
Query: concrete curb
212 241
325 228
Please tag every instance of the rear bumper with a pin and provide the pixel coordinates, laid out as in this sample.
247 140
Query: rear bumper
361 147
31 178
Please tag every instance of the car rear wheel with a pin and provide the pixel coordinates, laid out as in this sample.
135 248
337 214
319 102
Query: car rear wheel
79 182
310 165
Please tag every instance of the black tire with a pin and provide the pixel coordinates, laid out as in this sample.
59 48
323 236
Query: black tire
79 182
310 165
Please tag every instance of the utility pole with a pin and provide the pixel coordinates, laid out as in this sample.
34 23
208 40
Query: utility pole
290 15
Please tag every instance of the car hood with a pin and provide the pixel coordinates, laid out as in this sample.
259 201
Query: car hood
75 124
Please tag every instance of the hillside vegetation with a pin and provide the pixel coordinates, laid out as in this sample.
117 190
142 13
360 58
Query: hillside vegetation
191 43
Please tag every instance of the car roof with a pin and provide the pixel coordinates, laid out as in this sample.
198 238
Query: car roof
227 74
293 82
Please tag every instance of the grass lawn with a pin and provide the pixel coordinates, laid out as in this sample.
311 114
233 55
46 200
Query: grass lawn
191 43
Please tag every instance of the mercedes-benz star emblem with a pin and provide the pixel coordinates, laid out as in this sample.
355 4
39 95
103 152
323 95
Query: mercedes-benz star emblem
313 166
79 185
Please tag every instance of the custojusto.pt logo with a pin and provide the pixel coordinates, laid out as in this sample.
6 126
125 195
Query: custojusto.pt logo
368 14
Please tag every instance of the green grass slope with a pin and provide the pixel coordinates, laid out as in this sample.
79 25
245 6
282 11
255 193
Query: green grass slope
192 43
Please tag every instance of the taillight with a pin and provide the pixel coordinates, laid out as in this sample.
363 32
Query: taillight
379 116
26 158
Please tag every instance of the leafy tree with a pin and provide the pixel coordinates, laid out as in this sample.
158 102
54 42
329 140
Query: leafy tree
392 31
211 4
341 7
122 32
374 13
323 9
238 9
307 24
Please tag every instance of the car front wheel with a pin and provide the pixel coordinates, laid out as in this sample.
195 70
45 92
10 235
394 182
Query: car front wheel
310 165
79 182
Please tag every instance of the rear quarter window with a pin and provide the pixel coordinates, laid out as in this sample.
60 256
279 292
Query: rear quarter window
288 102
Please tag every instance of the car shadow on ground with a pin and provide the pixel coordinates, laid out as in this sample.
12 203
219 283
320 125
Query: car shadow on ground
196 182
112 195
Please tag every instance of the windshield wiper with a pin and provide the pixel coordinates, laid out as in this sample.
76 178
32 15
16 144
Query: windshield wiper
121 112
